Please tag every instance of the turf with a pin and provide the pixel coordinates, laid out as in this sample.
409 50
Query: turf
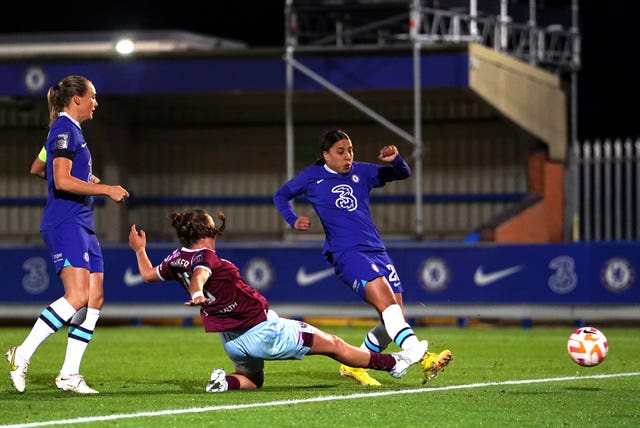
500 376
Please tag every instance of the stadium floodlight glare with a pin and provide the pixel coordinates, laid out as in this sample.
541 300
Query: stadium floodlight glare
147 42
125 46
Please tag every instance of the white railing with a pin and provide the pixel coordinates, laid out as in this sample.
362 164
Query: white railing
604 190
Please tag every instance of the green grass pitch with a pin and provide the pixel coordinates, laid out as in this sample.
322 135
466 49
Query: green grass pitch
503 376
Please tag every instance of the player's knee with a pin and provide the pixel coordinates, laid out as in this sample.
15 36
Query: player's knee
338 345
257 379
332 341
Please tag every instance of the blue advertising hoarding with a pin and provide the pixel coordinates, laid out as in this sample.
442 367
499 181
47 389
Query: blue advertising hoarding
166 76
586 273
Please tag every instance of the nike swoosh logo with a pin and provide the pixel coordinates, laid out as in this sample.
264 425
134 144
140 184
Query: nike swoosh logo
13 362
481 279
132 279
320 181
305 279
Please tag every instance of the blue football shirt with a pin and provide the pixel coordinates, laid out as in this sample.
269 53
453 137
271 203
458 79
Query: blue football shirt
341 201
65 139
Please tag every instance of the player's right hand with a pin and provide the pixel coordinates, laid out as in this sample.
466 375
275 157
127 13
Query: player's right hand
118 193
137 239
302 224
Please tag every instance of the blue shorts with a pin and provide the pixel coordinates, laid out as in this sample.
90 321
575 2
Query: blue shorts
356 268
73 245
274 339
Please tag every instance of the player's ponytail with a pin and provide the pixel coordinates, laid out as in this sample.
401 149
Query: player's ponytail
59 95
194 225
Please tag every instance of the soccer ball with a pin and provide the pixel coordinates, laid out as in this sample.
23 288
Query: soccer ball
587 346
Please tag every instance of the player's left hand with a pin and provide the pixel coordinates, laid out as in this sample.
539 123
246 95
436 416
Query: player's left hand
388 153
198 301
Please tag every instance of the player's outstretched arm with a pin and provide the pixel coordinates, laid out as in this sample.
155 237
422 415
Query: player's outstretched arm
138 243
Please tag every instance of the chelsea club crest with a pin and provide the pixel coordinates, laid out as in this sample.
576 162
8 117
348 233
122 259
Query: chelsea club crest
434 274
617 274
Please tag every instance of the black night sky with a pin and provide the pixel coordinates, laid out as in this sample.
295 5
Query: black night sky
607 81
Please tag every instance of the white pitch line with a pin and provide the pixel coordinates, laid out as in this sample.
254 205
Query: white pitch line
310 400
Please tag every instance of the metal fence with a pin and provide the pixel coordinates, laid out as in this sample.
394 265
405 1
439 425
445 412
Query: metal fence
605 190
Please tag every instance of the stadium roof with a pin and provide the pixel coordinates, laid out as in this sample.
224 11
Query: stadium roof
31 45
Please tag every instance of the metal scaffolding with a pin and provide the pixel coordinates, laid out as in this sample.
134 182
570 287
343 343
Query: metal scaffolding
342 26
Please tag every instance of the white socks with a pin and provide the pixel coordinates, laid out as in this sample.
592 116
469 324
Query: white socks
397 327
51 319
79 338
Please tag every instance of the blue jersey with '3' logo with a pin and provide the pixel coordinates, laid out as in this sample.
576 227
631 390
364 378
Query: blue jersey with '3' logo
341 201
